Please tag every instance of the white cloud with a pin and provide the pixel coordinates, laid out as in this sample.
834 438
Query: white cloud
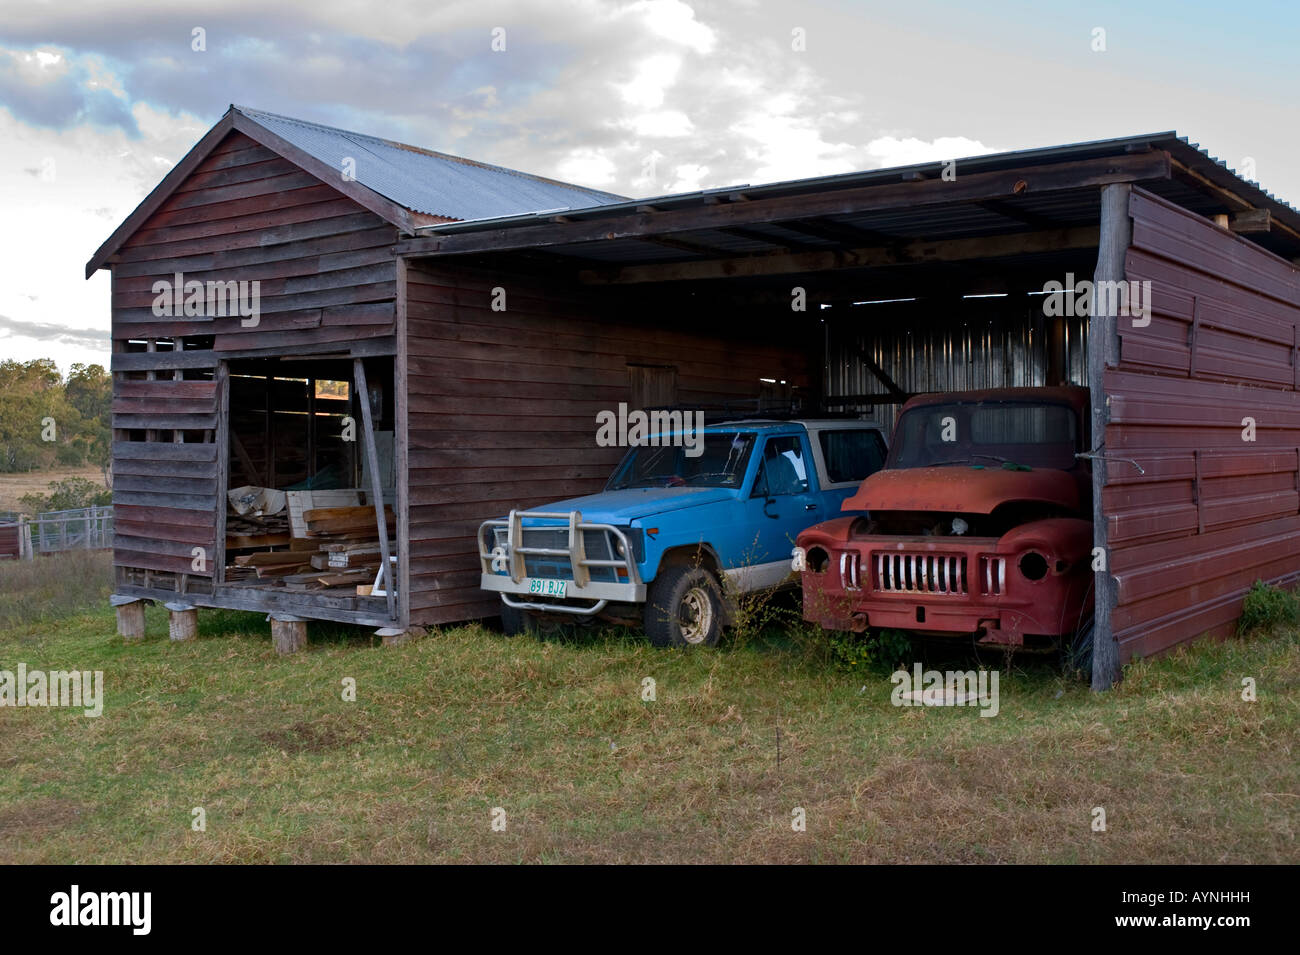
651 80
589 168
689 178
675 21
665 122
893 151
70 188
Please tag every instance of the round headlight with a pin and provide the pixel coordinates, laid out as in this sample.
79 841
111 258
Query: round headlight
1033 565
619 548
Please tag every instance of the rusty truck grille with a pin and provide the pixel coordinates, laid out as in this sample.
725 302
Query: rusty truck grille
993 573
902 573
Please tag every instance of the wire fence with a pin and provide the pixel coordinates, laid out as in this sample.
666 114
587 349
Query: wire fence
82 528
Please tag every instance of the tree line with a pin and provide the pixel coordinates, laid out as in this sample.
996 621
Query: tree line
47 420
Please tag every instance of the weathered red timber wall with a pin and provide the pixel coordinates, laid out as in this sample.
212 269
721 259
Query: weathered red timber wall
8 540
326 275
503 404
1214 512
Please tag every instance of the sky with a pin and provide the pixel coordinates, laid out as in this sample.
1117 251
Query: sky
99 99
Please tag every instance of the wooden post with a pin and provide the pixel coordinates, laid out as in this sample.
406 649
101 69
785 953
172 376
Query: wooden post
130 617
288 633
223 437
182 621
1103 353
376 482
396 636
25 539
401 462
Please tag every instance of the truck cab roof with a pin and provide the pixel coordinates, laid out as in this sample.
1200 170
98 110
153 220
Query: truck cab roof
771 424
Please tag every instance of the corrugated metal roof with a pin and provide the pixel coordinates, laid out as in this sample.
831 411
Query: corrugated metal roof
427 181
1190 153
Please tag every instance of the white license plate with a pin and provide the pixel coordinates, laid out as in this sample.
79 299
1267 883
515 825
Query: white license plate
540 587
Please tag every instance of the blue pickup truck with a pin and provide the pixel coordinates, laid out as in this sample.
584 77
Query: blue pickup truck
676 536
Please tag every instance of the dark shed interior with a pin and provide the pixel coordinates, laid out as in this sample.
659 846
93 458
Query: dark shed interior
891 284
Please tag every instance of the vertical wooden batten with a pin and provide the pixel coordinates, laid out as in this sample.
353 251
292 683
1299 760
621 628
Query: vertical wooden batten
222 440
376 480
402 574
1103 353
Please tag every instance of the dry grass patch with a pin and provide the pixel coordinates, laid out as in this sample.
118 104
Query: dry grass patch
555 732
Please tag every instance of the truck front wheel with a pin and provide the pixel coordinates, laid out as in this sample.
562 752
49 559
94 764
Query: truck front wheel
515 621
684 608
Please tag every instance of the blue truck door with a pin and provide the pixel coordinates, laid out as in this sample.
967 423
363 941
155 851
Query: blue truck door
784 501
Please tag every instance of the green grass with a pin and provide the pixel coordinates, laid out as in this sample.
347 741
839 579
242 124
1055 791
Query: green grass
53 586
555 732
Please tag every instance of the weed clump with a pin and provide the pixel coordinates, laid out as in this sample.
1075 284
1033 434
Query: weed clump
1267 607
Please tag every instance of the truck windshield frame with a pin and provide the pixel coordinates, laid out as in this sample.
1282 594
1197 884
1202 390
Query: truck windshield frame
990 433
723 462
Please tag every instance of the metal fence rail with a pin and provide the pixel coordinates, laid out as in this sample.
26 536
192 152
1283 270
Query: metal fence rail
82 528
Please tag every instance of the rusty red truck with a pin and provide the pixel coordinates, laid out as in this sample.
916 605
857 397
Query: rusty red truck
979 524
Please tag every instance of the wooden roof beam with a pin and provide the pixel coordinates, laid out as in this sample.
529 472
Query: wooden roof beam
1252 220
976 187
1229 198
1008 211
906 253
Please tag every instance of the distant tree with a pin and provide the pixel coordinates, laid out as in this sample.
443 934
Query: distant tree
89 390
66 495
34 397
29 393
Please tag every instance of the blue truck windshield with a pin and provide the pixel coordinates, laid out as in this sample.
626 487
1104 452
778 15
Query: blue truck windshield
721 464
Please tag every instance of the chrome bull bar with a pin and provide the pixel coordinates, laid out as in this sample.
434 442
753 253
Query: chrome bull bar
511 558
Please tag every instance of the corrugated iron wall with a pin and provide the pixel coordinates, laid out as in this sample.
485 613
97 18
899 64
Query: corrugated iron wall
1215 509
964 345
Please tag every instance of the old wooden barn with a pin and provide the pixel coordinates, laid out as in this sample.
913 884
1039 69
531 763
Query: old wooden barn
487 316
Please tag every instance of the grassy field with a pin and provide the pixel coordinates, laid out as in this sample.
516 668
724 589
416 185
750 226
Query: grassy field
555 733
14 486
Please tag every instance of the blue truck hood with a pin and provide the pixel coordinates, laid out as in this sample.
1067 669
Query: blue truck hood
623 507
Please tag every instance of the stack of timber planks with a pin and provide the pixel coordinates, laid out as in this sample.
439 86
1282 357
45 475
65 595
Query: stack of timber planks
339 550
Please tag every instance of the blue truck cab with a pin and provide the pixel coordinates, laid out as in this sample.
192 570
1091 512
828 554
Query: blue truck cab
681 528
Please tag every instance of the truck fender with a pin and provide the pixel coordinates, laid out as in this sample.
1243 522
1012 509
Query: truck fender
1066 538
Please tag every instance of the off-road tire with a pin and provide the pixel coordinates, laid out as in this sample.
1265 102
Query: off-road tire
515 621
684 608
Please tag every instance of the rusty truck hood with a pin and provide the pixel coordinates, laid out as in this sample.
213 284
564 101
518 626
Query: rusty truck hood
961 489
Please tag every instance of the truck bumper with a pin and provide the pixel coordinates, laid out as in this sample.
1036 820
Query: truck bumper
940 587
594 563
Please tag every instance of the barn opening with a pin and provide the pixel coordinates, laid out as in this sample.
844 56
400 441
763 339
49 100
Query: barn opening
310 455
504 404
874 287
